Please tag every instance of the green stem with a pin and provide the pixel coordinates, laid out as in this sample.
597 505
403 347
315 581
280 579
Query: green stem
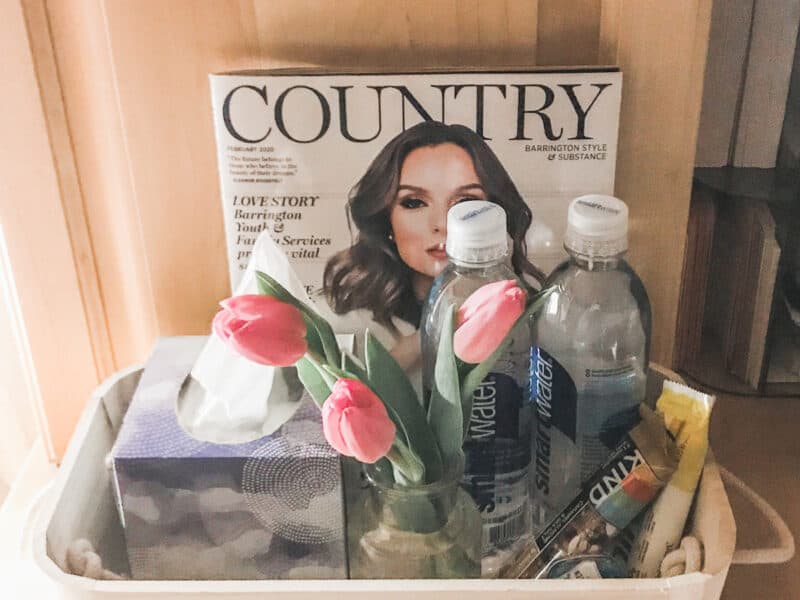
314 356
406 464
318 361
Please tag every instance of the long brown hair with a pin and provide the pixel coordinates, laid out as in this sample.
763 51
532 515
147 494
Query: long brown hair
370 274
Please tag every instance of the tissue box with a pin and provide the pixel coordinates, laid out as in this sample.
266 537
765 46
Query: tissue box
267 509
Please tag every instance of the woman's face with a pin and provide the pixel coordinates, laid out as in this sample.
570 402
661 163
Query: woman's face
432 179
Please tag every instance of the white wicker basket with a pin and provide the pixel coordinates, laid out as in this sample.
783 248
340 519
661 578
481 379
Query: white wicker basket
81 505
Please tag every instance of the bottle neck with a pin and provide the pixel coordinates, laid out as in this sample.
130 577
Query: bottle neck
462 266
596 263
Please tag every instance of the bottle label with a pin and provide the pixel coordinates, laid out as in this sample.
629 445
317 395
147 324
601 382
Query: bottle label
497 457
555 400
609 408
577 425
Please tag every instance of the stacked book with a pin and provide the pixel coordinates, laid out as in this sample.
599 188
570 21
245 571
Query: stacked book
729 283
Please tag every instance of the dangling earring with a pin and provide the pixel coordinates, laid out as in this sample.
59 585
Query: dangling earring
391 237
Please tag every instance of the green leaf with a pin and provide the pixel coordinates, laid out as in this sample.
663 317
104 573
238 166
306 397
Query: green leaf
313 381
351 365
391 384
445 412
329 345
402 434
324 337
270 287
385 466
536 302
337 373
312 337
408 468
327 377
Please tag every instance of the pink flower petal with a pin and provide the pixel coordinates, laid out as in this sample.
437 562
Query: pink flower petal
356 423
331 427
250 306
487 324
484 295
222 324
270 341
356 393
262 329
369 433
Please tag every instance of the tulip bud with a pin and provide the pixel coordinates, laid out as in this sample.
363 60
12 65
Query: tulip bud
356 423
262 329
485 319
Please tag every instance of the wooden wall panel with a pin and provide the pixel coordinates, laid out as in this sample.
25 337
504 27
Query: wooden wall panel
39 231
608 33
661 48
161 53
90 100
568 36
134 78
69 185
397 34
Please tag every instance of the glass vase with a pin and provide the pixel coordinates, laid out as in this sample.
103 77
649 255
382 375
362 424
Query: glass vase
430 531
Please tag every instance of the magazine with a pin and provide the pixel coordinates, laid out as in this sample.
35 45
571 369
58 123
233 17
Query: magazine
326 162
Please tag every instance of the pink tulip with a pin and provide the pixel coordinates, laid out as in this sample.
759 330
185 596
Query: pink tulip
485 318
356 423
262 329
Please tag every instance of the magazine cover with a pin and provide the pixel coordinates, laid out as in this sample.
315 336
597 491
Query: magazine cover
352 174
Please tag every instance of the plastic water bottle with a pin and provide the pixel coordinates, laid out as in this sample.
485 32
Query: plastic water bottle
497 448
589 354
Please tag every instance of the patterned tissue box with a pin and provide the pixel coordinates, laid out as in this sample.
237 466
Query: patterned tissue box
267 509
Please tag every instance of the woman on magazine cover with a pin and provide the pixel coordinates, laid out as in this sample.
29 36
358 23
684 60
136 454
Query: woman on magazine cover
399 208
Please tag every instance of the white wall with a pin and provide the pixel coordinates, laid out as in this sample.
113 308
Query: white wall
17 422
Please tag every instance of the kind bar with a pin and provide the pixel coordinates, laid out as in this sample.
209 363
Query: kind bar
628 481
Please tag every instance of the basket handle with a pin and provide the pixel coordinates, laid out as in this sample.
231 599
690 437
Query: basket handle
760 556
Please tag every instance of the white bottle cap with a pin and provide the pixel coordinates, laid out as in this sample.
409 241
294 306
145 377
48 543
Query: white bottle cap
597 226
476 232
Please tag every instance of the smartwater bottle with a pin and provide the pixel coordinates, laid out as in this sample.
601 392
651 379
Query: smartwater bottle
589 354
497 447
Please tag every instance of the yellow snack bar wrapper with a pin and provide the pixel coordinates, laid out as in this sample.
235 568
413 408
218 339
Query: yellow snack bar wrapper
686 413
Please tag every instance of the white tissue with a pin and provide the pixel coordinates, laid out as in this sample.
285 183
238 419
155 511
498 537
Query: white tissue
229 399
